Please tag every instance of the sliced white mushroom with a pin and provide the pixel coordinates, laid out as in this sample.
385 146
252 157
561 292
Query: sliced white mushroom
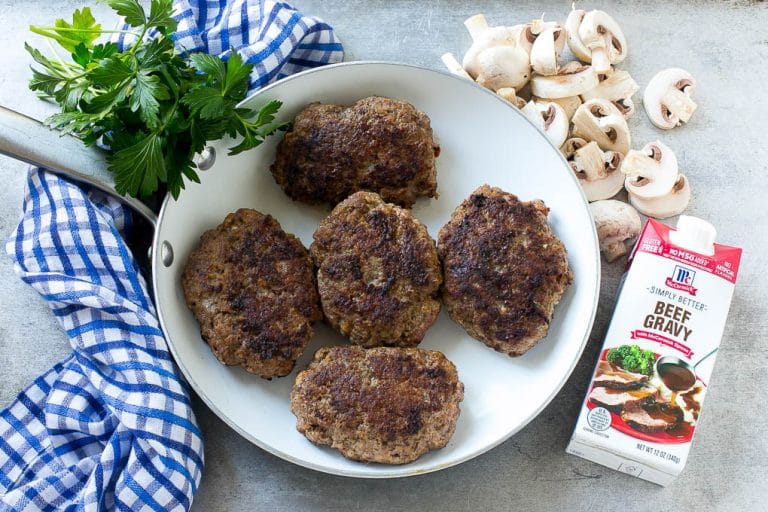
510 94
650 172
525 37
569 103
454 66
604 38
668 205
597 171
549 118
573 79
617 223
599 120
570 146
618 87
574 41
668 98
547 48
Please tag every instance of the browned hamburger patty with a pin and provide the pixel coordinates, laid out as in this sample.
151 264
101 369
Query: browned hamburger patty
504 269
252 288
378 272
388 405
377 144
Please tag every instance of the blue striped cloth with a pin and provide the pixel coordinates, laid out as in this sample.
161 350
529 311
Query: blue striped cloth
111 426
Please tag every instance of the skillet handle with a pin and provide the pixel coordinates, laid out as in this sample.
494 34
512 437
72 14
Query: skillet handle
28 140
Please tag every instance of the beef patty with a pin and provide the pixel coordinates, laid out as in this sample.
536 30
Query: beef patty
504 269
252 288
387 405
377 144
378 272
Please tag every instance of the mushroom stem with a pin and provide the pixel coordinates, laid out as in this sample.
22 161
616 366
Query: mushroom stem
680 103
509 94
590 161
618 88
454 66
476 25
569 103
596 170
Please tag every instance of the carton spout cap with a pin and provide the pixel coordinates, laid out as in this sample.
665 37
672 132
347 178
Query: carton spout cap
694 234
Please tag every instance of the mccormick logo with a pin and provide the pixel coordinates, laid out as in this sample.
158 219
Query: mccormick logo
682 279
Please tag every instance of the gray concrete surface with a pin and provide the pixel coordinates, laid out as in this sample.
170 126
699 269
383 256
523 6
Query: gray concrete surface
723 152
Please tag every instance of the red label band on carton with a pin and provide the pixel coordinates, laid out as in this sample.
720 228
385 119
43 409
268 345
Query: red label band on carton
643 404
723 263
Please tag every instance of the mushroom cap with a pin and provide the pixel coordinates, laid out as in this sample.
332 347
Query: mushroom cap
671 204
599 120
574 41
650 172
616 222
573 79
502 66
668 98
549 118
600 33
485 39
547 48
597 171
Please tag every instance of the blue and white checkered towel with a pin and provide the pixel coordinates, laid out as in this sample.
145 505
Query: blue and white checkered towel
111 427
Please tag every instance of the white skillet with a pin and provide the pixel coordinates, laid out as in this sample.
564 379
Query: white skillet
483 140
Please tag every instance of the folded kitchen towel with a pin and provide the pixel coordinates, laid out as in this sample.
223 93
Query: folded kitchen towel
111 427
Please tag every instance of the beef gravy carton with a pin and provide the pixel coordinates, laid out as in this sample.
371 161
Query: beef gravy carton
643 403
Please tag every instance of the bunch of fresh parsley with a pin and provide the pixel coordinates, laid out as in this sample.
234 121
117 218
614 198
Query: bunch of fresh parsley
153 107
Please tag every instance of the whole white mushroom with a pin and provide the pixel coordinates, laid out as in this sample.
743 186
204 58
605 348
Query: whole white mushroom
617 223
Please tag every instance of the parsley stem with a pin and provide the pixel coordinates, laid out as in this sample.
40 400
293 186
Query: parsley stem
168 118
41 30
65 67
139 39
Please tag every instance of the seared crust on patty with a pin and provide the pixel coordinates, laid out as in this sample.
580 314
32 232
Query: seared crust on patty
378 272
377 144
252 288
504 269
387 405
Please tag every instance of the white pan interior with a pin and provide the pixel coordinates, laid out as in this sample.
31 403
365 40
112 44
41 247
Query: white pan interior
483 140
